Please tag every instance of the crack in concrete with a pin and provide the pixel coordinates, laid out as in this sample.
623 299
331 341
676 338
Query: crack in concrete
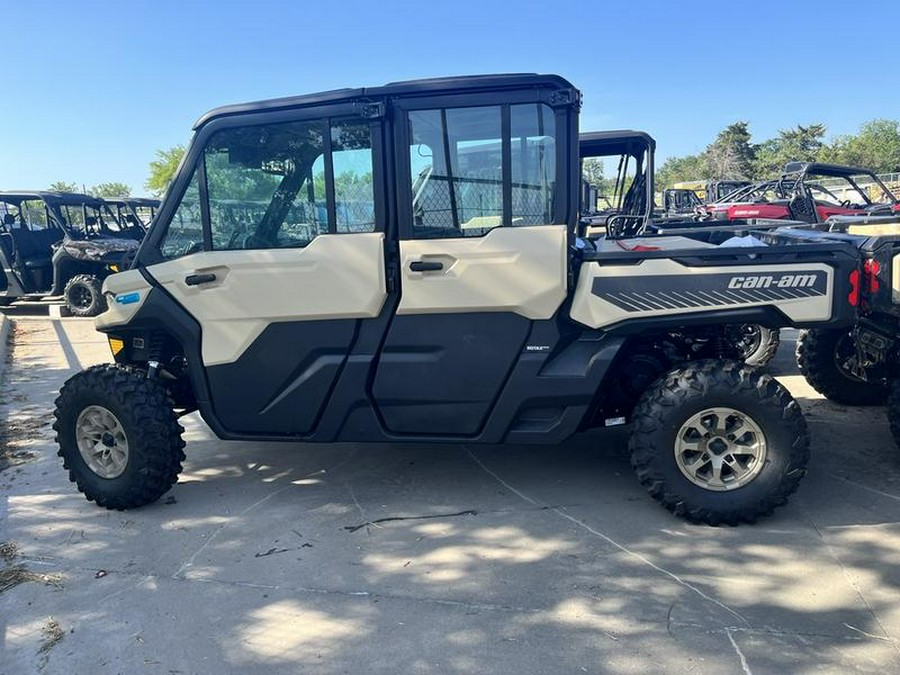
190 560
612 542
744 666
844 479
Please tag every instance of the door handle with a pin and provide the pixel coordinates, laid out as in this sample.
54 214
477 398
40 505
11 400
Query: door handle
425 266
197 279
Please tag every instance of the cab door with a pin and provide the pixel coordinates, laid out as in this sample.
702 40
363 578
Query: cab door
277 251
482 255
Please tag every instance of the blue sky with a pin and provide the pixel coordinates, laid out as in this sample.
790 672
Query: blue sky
92 88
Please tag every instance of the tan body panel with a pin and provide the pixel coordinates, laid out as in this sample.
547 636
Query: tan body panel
119 286
510 269
338 276
595 312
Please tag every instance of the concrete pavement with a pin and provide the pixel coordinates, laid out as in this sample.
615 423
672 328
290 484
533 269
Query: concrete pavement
377 558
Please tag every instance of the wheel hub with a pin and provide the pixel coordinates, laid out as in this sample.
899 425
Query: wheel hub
720 449
101 442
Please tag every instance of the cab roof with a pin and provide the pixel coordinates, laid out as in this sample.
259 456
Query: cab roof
51 198
616 142
134 201
833 170
448 85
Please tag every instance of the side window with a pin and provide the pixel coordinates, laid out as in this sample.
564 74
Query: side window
469 178
34 213
354 189
269 185
533 156
185 232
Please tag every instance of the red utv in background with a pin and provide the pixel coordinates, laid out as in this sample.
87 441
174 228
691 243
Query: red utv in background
808 192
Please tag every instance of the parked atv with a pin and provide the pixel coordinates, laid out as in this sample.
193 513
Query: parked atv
405 269
59 245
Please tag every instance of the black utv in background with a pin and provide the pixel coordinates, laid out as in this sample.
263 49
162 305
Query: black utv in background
56 244
134 213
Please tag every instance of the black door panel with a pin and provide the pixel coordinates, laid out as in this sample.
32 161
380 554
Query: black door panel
439 374
283 380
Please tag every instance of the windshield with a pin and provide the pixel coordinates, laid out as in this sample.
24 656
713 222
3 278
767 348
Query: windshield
86 220
30 214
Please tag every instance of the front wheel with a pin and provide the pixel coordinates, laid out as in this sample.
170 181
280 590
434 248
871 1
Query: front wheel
83 295
719 443
118 436
825 358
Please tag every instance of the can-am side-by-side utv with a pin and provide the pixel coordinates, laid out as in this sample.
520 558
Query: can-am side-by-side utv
56 244
401 264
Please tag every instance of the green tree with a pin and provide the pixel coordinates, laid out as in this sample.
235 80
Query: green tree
678 169
63 186
113 190
592 171
799 144
875 147
162 169
731 155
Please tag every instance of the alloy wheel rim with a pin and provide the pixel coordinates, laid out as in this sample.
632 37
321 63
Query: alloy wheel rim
720 449
102 442
80 297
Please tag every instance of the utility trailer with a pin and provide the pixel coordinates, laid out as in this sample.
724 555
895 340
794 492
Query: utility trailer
407 268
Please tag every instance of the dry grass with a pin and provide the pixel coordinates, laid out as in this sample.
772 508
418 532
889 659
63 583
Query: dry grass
13 575
53 633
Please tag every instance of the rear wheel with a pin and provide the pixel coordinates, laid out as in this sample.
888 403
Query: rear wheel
825 359
83 295
719 443
118 436
757 344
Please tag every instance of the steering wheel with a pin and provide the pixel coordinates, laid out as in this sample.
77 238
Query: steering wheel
845 204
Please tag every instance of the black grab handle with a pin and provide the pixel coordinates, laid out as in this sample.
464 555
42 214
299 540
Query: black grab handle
197 279
425 266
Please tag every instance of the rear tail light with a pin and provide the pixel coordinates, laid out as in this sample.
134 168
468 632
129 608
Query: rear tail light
853 297
871 268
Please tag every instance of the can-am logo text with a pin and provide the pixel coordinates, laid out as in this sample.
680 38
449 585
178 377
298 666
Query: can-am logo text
767 281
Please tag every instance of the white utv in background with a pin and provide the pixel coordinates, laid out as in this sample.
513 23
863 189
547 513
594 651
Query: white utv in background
401 264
